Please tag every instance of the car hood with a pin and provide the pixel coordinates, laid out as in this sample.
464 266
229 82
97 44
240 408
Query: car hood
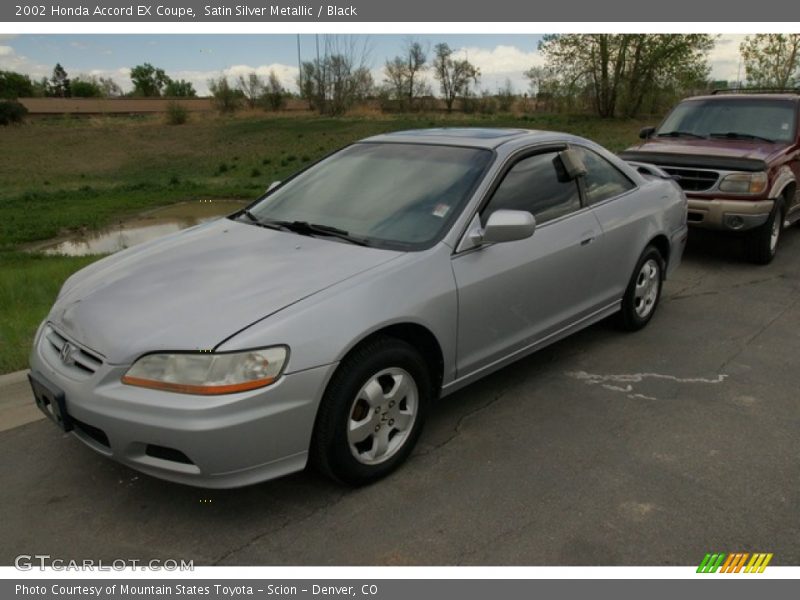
194 289
710 149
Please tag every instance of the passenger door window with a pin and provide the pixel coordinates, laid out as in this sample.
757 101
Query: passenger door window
538 185
602 180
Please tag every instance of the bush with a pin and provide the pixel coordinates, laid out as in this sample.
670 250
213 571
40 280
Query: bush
487 105
12 112
177 113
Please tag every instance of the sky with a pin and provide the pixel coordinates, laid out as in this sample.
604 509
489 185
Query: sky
197 58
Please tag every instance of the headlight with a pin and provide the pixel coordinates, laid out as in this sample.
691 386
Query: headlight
207 373
744 183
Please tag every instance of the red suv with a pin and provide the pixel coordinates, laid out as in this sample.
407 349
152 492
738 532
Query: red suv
737 157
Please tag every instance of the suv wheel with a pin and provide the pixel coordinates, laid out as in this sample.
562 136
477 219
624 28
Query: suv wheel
372 412
761 244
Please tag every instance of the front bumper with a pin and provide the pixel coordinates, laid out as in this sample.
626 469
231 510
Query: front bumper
728 215
207 441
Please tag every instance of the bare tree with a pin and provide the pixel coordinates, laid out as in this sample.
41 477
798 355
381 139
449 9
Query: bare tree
333 83
251 87
454 75
403 74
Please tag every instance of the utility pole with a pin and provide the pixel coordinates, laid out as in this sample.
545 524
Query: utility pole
299 66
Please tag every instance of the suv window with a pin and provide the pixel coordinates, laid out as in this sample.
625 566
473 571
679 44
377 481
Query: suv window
743 118
602 180
533 184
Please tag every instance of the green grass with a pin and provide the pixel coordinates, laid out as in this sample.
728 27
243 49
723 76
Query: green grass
28 286
62 174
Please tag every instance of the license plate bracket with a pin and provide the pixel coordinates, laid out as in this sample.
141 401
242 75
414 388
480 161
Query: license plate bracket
51 401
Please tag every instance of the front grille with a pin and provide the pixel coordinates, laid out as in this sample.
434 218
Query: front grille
77 357
693 180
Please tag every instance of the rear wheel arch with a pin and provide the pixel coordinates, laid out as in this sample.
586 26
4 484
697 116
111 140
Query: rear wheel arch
661 243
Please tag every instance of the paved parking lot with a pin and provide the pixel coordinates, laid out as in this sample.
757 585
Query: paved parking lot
605 449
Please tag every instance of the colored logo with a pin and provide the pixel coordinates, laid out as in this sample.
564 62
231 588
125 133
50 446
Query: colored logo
735 562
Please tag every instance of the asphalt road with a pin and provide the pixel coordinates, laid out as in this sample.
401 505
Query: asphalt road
608 448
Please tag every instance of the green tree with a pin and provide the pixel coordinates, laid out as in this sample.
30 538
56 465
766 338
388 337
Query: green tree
506 97
179 88
227 99
15 85
86 87
619 71
251 87
772 60
110 87
60 83
454 75
148 80
274 96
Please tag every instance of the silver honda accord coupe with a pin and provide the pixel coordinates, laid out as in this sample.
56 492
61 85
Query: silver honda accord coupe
320 323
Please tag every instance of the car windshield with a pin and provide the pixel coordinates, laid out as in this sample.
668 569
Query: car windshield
385 193
754 119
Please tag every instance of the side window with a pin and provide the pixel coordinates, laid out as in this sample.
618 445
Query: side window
602 180
533 184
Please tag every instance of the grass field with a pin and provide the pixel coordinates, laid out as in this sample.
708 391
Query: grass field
62 174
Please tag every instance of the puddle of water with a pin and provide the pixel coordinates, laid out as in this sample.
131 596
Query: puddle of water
143 228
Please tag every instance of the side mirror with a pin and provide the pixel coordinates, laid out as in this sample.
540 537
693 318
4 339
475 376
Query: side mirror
646 132
505 226
273 185
572 165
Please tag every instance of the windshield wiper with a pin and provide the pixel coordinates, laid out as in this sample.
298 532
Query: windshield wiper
735 135
306 228
261 223
680 134
249 214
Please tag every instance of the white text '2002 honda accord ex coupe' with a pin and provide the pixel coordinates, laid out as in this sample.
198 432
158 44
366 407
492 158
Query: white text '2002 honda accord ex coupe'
319 324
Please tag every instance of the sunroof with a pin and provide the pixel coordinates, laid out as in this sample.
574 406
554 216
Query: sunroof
480 133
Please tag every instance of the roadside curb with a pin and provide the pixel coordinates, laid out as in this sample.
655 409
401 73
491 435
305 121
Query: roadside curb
12 378
16 401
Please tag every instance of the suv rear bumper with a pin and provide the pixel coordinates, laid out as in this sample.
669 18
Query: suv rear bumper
728 215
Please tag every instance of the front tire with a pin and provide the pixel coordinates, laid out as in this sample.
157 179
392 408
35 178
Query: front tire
372 412
643 292
761 244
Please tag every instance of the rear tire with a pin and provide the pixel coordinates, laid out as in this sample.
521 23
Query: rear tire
372 412
761 244
643 292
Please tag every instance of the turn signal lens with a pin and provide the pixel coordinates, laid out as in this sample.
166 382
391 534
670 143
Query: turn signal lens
744 183
206 373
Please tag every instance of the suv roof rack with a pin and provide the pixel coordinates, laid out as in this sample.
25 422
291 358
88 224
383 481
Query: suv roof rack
756 91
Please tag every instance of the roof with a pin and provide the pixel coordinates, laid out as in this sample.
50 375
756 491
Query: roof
481 137
745 96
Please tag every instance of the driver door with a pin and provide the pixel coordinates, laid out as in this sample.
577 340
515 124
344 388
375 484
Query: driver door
514 294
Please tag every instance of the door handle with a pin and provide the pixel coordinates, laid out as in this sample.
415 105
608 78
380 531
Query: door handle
587 241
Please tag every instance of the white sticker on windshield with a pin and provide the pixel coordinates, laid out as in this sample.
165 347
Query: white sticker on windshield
440 210
785 127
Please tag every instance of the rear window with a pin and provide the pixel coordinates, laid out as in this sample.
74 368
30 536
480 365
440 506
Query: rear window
758 119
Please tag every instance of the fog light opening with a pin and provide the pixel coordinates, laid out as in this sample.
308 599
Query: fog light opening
735 222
